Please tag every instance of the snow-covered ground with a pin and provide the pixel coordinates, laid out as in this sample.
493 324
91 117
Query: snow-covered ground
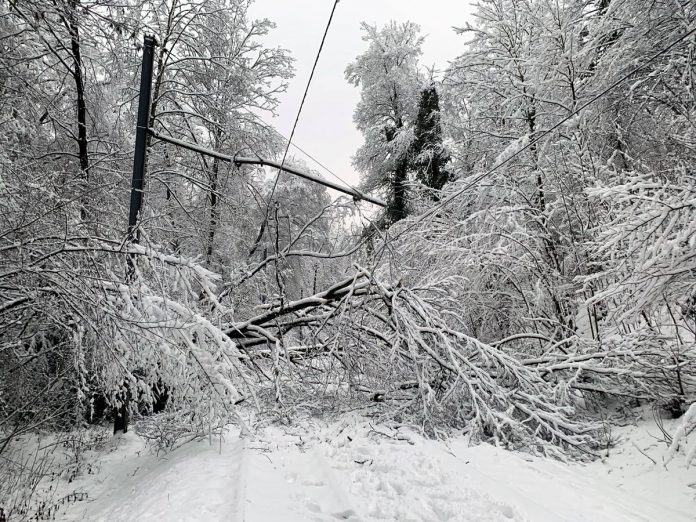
350 470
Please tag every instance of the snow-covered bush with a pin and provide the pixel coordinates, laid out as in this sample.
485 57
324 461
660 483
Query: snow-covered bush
680 438
166 431
94 335
22 472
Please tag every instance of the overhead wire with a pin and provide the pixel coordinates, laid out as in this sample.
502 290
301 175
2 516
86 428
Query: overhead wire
304 98
315 160
287 148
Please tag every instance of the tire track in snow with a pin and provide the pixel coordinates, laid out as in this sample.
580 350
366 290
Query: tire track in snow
336 500
238 469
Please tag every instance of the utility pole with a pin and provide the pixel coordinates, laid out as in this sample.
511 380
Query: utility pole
138 182
121 414
136 200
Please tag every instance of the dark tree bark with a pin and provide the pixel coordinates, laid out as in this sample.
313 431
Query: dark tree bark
214 209
398 197
122 415
71 22
397 207
74 29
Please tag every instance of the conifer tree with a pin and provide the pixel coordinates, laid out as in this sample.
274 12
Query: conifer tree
429 156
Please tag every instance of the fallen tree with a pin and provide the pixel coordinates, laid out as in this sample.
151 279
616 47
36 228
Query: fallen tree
404 347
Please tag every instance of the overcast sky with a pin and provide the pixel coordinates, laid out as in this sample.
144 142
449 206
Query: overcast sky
326 129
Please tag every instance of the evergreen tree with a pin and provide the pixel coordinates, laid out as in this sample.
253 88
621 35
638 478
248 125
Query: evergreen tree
429 156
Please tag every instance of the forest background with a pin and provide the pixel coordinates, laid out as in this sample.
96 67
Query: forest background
534 268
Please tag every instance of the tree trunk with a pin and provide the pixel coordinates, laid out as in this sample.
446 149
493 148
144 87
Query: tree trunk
214 210
121 418
74 30
396 205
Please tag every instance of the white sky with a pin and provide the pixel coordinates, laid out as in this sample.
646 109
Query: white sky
326 129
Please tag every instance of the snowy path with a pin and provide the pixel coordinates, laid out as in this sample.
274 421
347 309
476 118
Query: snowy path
358 474
198 479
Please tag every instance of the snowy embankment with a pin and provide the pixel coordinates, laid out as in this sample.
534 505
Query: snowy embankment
350 470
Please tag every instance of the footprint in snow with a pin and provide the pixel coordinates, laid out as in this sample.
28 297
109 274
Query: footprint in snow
507 511
314 482
345 514
313 507
442 512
